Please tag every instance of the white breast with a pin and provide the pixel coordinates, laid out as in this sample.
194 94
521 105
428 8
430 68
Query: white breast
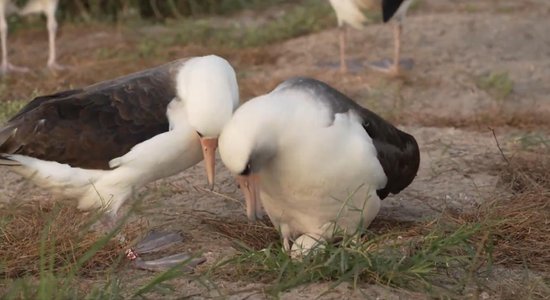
348 11
328 176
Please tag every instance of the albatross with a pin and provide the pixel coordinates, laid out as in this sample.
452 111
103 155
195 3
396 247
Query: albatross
100 143
395 10
319 162
352 13
48 8
349 13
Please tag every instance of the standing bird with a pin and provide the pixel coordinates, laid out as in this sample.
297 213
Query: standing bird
48 7
352 13
349 12
395 10
319 161
100 143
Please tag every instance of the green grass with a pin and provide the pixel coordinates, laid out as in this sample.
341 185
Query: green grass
114 10
497 84
9 108
308 17
419 264
55 281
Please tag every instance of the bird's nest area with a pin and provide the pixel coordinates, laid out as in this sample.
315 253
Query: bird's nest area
515 229
34 236
37 237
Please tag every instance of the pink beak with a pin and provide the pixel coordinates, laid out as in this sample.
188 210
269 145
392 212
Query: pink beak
250 186
209 146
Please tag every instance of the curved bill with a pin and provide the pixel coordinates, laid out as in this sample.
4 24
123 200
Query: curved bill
250 186
209 146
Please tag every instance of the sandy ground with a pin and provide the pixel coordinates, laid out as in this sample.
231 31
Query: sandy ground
452 45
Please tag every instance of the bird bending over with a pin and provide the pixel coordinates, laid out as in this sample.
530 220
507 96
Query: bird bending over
319 162
352 13
48 8
100 143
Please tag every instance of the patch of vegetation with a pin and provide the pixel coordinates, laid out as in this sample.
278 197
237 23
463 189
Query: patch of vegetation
308 17
399 259
112 10
533 141
9 108
47 251
417 5
497 84
446 257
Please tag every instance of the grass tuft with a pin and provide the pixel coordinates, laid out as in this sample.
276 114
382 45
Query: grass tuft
444 257
47 251
9 108
307 17
414 258
497 84
31 233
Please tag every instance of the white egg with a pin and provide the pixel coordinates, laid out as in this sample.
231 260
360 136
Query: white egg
306 243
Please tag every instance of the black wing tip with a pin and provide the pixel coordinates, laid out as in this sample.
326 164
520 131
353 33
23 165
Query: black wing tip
389 8
408 168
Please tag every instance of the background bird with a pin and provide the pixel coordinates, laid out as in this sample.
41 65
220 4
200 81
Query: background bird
396 11
353 13
48 8
100 143
319 161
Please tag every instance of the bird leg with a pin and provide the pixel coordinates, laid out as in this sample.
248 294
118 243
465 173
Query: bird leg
6 67
397 30
286 244
343 41
393 67
52 30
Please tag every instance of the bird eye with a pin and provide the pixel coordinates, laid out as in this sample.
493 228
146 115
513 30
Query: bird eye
246 170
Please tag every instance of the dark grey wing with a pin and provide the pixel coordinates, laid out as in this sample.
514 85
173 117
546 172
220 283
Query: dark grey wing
397 151
389 8
87 128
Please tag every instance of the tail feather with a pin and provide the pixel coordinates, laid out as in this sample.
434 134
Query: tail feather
5 161
60 178
93 188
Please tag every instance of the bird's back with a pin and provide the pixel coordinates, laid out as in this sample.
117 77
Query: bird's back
397 151
90 126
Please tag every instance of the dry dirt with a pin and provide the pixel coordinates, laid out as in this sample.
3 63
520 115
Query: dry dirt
439 102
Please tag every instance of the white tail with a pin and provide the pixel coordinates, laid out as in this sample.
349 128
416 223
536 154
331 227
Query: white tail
93 188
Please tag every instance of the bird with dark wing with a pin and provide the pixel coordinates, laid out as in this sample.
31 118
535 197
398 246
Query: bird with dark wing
318 161
98 144
48 8
353 13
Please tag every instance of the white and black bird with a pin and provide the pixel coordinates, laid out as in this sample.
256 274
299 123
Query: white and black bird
319 162
48 8
396 10
100 143
349 13
352 13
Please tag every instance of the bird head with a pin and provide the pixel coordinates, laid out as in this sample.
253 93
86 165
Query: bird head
207 87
